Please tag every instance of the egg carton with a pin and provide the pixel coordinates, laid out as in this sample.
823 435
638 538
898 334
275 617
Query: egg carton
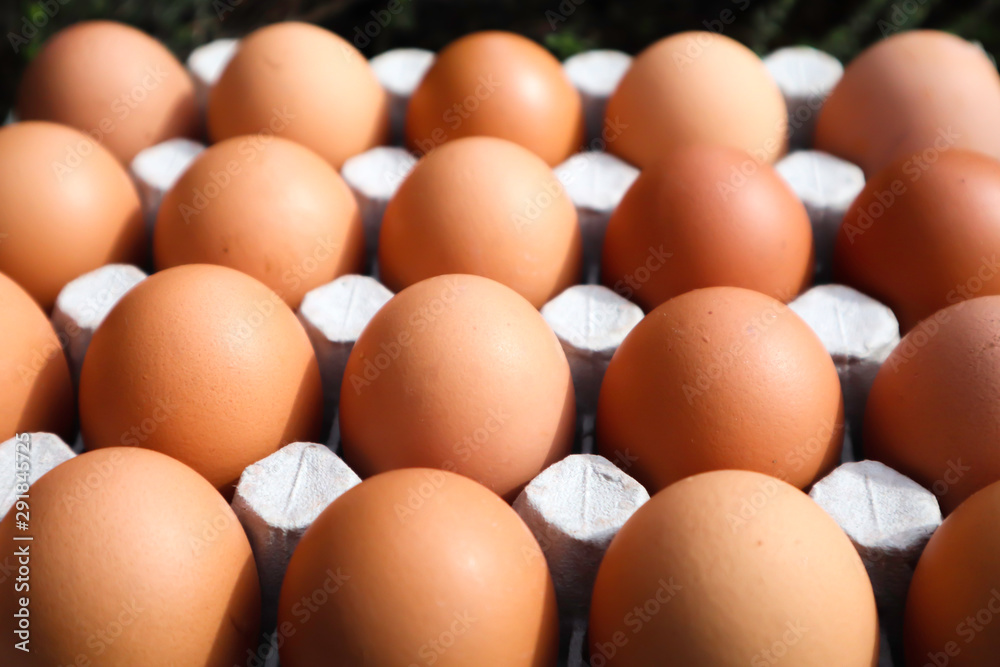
279 497
888 517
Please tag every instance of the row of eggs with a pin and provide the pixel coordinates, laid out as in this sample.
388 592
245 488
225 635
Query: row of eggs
185 320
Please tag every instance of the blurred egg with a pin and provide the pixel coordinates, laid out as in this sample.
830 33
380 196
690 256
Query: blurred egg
112 82
707 216
420 567
67 207
922 236
912 95
486 207
303 83
497 84
205 364
460 373
953 605
37 390
134 560
934 409
267 207
721 378
732 568
696 88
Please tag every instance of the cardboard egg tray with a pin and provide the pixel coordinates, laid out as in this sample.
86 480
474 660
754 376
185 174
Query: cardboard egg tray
888 517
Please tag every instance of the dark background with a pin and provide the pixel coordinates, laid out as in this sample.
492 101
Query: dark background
564 26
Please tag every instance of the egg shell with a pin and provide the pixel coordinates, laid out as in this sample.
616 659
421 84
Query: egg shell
279 213
696 88
205 364
934 409
721 378
67 207
303 83
459 373
497 84
487 207
732 568
37 389
706 216
418 564
922 238
954 597
912 95
113 82
135 560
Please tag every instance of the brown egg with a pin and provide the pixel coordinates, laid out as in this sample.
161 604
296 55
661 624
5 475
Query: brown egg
707 216
732 568
265 206
135 560
303 83
37 390
458 373
954 599
205 364
721 378
497 84
486 207
67 207
913 95
934 409
922 236
113 82
696 88
418 567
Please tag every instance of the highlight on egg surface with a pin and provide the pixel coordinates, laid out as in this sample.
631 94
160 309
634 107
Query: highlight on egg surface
134 559
459 373
303 83
486 207
67 207
696 88
205 364
707 216
265 206
410 556
112 82
497 84
721 378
